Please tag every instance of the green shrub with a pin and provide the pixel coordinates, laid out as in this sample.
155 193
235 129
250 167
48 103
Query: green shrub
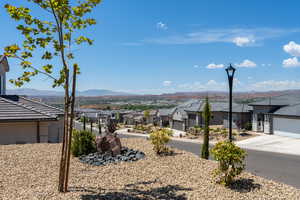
231 161
83 143
196 126
159 138
248 126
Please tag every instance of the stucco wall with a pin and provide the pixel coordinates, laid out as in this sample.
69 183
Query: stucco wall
22 132
56 131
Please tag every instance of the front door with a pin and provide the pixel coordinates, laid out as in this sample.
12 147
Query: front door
260 122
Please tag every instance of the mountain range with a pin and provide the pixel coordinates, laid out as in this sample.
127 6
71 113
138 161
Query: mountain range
91 93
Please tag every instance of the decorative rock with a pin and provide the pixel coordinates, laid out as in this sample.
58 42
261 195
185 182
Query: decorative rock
97 159
110 144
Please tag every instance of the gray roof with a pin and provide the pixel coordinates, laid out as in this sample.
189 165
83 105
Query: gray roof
239 108
217 106
293 110
11 110
283 100
41 106
193 105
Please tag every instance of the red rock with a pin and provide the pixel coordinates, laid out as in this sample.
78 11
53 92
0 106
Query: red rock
109 143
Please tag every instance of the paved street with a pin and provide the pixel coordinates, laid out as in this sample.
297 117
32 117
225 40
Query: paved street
278 167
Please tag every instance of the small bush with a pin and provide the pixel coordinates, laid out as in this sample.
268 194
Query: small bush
83 143
231 161
248 126
196 126
159 138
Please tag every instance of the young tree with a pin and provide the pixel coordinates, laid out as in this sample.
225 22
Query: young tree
146 115
53 39
207 116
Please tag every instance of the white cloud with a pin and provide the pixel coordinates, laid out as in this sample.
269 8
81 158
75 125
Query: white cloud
291 62
247 63
242 41
161 25
240 36
292 48
276 85
167 83
196 66
214 66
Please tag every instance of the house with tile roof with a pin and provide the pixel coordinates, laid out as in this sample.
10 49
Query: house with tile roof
189 114
24 120
277 115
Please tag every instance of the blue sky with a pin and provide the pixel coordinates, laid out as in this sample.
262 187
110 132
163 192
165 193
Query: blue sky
157 46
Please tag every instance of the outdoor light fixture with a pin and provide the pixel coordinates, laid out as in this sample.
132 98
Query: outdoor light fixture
230 73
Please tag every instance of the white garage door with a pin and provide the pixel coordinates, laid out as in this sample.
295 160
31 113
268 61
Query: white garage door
286 127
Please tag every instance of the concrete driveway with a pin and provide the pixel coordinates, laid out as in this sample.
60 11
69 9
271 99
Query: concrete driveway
272 143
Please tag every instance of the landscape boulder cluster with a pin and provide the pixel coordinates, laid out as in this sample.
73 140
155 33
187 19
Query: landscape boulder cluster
126 155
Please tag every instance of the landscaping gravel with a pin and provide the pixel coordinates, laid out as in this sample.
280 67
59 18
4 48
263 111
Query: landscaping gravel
97 159
31 172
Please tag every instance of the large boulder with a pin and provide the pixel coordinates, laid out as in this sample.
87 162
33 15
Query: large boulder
109 144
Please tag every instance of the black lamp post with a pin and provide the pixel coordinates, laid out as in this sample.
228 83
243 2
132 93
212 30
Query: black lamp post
230 73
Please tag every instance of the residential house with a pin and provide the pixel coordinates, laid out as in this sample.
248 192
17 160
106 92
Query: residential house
189 114
23 120
152 118
164 117
133 118
241 116
277 115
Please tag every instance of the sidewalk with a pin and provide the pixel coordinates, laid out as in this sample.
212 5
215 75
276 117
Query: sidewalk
272 143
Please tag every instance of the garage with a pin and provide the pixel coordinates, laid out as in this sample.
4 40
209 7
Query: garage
286 121
286 127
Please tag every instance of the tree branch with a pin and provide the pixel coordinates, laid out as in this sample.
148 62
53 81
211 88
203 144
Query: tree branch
36 69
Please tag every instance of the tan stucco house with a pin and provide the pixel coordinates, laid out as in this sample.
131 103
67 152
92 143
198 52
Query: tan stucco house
23 120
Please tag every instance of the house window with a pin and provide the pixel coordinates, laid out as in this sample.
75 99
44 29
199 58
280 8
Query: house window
192 116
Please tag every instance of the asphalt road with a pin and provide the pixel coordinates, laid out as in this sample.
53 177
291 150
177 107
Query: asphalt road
275 166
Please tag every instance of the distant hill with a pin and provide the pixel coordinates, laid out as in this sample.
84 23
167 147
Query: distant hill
90 93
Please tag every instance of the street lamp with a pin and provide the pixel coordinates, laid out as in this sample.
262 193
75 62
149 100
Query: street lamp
230 73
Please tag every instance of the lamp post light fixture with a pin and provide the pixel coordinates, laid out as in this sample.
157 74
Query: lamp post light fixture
230 73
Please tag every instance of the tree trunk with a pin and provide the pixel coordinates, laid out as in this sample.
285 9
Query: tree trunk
62 171
72 103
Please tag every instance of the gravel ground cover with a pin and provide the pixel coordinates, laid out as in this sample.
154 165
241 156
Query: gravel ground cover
30 172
